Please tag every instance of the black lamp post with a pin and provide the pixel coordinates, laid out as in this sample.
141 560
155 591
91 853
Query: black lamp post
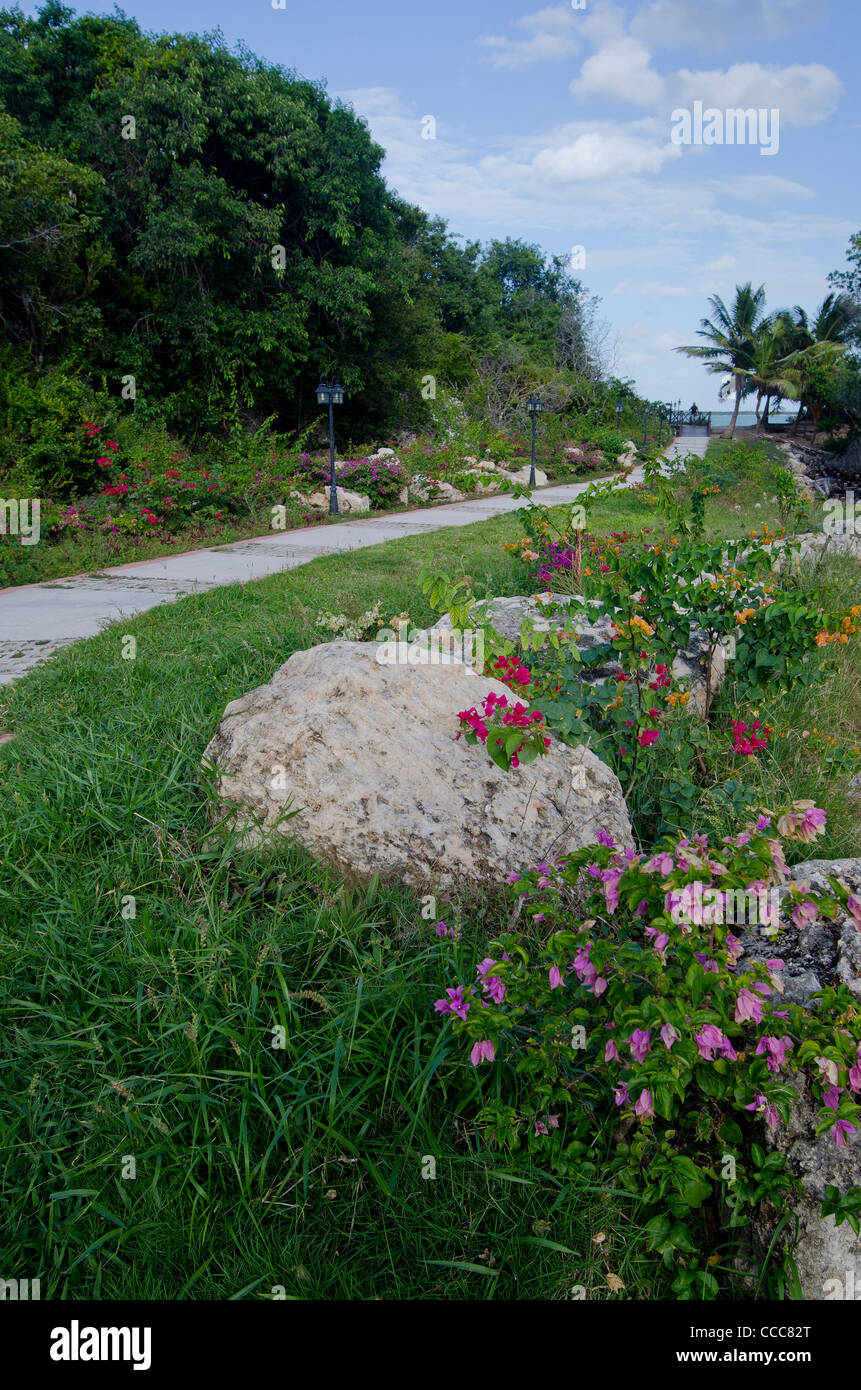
660 426
646 425
620 404
533 405
331 393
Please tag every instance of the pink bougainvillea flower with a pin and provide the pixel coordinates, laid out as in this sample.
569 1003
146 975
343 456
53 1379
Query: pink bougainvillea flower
455 1004
840 1131
495 988
620 1093
748 1006
669 1035
853 906
611 1052
555 977
640 1043
540 1127
484 965
775 1050
710 1040
804 912
483 1051
762 1105
803 822
644 1105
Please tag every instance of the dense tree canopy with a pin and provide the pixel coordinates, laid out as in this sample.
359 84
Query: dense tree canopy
190 216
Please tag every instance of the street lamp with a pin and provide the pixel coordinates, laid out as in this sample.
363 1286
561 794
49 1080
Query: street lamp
660 426
646 425
533 405
331 393
620 405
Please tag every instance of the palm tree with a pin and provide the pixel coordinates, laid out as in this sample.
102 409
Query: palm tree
771 353
731 338
819 344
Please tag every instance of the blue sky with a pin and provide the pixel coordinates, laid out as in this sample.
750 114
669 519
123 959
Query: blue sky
554 124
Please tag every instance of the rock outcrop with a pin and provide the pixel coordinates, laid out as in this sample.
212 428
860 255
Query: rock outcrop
368 756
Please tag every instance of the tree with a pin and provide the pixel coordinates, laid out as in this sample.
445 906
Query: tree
731 337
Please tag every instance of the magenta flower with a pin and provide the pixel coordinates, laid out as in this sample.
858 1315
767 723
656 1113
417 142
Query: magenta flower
483 1051
555 977
484 965
495 988
620 1093
711 1040
804 912
611 1052
748 1006
761 1104
840 1131
669 1035
648 737
455 1004
640 1043
605 839
854 906
775 1049
644 1105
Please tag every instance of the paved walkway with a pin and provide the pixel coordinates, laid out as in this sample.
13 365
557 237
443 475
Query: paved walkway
38 619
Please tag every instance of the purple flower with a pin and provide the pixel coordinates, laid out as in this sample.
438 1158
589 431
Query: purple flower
484 965
611 1052
761 1104
669 1035
640 1043
495 988
605 839
839 1132
748 1006
620 1093
711 1040
483 1051
644 1105
555 977
775 1049
455 1004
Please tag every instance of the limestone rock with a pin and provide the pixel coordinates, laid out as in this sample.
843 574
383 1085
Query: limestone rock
368 755
521 475
347 501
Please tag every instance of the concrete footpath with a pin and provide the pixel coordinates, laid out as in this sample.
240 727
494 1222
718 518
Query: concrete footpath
37 620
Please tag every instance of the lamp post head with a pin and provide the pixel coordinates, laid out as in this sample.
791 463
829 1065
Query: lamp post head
533 405
323 393
337 393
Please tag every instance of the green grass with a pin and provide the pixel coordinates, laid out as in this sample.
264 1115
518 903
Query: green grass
152 1036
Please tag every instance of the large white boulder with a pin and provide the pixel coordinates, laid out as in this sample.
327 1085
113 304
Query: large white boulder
347 501
368 755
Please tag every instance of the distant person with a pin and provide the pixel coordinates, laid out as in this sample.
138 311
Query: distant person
694 410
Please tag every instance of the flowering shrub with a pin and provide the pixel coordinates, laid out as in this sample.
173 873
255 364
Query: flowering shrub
637 1034
512 734
361 629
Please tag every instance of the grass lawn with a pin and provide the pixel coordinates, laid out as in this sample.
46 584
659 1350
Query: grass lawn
152 1035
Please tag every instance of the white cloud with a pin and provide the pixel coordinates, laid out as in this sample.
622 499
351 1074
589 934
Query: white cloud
758 188
622 72
552 33
722 23
601 154
804 93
